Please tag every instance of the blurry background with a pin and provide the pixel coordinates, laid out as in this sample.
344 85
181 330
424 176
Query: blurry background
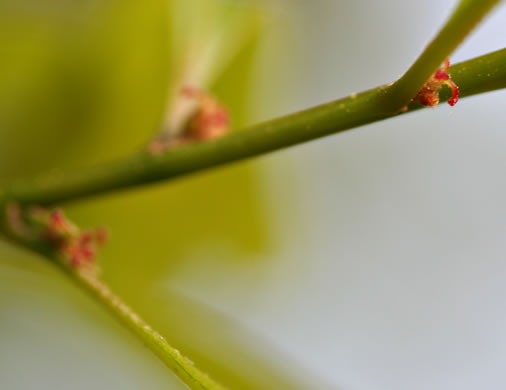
372 259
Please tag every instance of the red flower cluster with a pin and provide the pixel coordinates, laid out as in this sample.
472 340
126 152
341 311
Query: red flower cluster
208 120
78 247
429 94
211 118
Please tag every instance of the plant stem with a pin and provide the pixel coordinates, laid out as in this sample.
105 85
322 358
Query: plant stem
87 279
479 75
464 18
15 228
482 74
179 364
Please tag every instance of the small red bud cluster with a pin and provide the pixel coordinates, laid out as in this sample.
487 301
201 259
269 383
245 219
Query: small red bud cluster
210 120
429 94
77 246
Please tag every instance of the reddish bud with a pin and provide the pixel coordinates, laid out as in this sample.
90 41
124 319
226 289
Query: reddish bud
76 247
57 222
208 120
211 119
441 75
429 94
455 93
87 252
85 238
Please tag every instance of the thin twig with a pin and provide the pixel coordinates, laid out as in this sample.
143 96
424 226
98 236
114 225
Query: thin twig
179 364
462 21
87 277
479 75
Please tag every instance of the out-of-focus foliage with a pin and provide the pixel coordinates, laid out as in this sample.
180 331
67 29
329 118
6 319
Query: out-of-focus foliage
79 81
83 82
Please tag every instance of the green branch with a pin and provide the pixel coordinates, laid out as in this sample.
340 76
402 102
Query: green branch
88 279
463 20
173 359
482 74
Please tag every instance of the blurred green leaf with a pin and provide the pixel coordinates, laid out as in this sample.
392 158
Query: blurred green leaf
90 82
79 86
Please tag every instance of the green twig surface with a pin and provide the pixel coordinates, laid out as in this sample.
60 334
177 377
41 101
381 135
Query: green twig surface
482 74
88 280
179 364
463 20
